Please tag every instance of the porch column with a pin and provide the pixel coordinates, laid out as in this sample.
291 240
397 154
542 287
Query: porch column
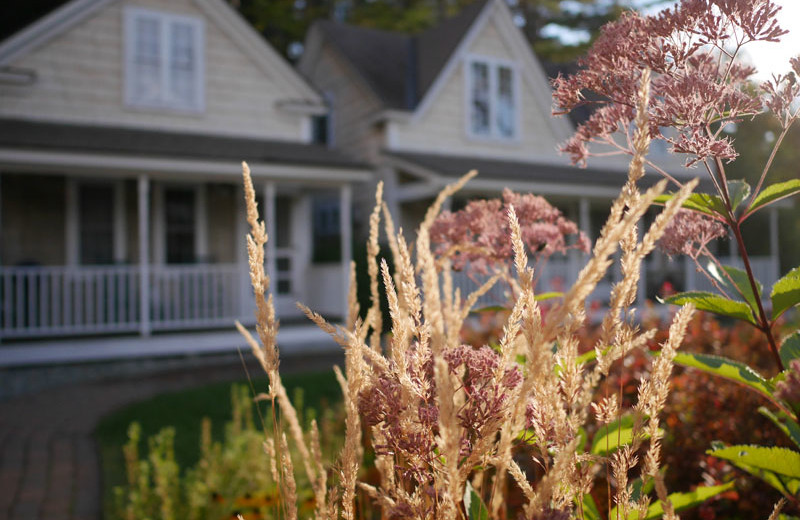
269 221
242 230
201 224
144 254
120 223
71 236
690 274
346 227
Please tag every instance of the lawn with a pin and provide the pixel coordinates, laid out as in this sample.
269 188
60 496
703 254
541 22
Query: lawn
185 410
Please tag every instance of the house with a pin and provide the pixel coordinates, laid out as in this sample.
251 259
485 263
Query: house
470 94
123 124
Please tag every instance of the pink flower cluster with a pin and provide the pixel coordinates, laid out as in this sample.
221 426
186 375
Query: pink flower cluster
408 424
478 236
689 233
692 51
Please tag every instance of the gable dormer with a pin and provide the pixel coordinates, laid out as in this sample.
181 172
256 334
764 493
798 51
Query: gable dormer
469 86
174 65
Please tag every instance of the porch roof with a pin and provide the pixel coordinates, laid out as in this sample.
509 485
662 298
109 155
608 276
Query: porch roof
501 171
67 137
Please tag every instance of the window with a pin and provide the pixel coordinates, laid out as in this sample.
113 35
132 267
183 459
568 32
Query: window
164 60
95 221
327 232
180 226
492 98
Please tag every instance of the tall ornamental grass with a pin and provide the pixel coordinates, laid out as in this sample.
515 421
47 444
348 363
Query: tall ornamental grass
464 431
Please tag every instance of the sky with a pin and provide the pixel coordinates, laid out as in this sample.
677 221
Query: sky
768 58
772 58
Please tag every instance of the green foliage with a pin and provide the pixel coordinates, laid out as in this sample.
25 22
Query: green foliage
774 193
727 368
476 509
779 467
739 191
790 348
786 424
706 301
786 293
612 436
589 509
680 501
736 281
705 203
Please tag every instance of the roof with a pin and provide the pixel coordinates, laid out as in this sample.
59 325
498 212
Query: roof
496 169
64 137
400 68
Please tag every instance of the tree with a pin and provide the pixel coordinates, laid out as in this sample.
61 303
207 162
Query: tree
756 139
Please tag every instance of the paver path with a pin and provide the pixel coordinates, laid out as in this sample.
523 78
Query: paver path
49 466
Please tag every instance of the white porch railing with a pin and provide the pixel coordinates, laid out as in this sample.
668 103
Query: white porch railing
58 300
559 273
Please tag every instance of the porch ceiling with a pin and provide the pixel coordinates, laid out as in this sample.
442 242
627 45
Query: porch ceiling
515 173
116 142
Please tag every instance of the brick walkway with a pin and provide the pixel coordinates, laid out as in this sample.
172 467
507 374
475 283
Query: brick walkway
49 466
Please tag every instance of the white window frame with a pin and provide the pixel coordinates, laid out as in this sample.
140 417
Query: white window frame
493 64
166 100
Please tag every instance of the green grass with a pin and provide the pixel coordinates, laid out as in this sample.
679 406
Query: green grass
185 410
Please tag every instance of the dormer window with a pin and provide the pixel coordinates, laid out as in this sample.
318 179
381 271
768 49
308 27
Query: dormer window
164 60
492 99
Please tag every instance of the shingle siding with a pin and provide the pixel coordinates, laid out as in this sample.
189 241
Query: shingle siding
80 78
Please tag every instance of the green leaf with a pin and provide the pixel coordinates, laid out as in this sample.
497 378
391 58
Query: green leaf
547 296
790 348
589 508
710 205
736 280
774 193
739 191
476 509
680 501
490 308
780 461
612 436
786 424
727 368
706 301
786 293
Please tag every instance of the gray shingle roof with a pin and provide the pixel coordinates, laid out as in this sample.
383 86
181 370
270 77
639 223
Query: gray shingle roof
400 68
64 137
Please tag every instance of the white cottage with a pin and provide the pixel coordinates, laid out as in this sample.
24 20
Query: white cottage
470 94
123 124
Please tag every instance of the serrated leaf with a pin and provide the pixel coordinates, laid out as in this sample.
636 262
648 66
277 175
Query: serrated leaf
786 293
476 509
790 348
736 281
680 501
739 191
727 368
489 308
710 205
589 508
706 301
780 461
612 436
774 193
786 424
